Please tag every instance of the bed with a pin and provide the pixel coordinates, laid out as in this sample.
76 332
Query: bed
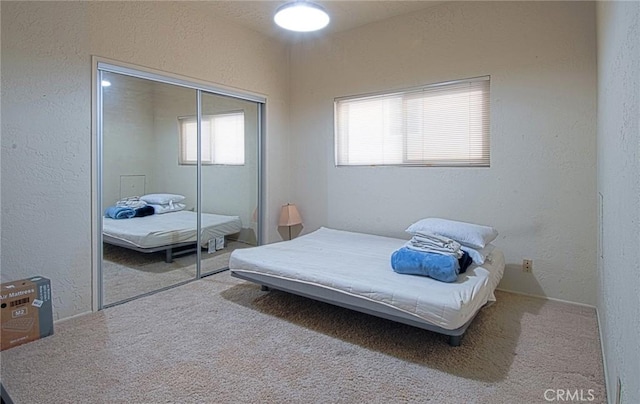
174 233
353 270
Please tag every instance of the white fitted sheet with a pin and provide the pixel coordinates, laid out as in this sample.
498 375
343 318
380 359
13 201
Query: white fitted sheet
360 265
169 228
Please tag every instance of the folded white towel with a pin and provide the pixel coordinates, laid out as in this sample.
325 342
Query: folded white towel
132 202
433 243
436 241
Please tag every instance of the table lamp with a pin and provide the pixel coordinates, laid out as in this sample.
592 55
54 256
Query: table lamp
289 216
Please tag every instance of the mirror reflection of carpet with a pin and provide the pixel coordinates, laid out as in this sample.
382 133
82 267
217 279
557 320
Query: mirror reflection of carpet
129 273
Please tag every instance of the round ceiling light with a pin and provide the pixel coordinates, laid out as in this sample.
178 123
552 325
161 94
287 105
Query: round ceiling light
301 16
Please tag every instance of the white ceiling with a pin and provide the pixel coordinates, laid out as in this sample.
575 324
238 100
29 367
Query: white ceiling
345 14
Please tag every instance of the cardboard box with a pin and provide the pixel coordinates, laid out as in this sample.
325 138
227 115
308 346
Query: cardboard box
25 311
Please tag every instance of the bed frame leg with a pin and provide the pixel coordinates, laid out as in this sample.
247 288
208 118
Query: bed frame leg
168 257
264 288
455 340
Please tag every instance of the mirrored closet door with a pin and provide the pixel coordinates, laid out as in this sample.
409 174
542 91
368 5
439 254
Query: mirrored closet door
230 128
180 181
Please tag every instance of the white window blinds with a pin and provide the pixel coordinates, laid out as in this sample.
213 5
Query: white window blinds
443 124
222 139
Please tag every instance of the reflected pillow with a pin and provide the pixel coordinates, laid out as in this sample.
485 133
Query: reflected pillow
472 235
161 199
172 207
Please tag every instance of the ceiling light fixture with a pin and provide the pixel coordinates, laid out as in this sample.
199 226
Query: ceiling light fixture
301 16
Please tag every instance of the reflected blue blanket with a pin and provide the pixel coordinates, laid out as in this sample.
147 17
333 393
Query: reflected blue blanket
145 211
119 212
444 268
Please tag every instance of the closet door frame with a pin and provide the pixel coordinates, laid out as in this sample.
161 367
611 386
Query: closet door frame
99 65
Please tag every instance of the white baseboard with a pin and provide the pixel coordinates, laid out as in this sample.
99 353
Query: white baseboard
74 316
547 298
607 388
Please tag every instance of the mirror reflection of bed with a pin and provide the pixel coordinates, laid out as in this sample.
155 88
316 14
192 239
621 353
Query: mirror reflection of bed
150 244
150 149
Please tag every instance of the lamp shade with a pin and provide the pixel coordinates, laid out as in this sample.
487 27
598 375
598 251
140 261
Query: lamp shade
289 215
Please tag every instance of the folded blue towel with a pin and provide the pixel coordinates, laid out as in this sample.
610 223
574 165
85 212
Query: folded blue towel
119 212
444 268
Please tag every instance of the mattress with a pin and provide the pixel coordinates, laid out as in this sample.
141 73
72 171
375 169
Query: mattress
359 265
169 228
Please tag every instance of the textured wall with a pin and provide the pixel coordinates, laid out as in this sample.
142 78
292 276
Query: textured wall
46 111
540 189
619 185
46 150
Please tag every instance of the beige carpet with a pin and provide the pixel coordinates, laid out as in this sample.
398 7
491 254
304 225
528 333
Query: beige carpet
129 273
221 340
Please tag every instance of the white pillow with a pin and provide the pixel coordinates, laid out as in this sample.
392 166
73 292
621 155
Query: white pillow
172 207
161 199
472 235
478 256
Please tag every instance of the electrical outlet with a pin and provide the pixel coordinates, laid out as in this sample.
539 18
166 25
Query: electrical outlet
527 265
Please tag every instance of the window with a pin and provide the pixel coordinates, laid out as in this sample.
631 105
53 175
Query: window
222 139
445 124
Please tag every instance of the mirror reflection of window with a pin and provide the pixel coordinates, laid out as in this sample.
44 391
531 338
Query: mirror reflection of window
222 139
